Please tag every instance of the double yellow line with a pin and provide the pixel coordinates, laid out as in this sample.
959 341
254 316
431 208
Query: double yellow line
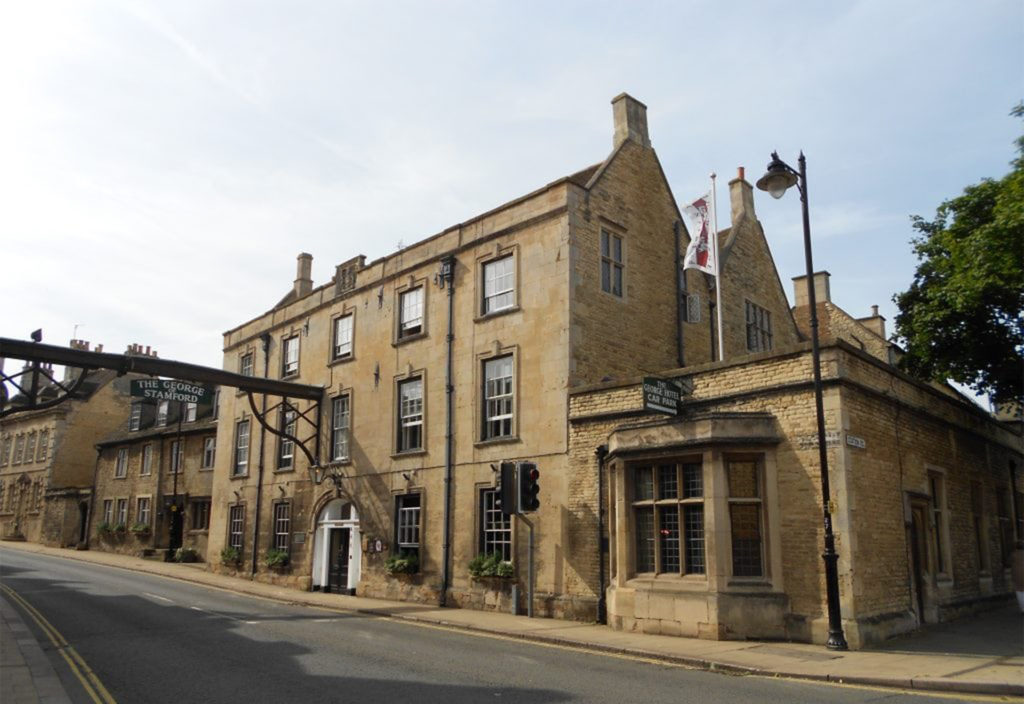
90 682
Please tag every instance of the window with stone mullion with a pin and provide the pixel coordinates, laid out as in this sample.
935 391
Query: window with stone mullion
668 512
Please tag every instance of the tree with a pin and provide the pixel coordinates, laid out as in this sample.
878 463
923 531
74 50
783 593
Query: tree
963 316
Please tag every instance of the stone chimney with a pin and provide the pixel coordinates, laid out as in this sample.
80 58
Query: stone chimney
137 350
821 289
741 197
630 121
874 322
82 345
304 275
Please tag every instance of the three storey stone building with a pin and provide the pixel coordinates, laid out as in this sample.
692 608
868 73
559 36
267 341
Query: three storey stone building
521 334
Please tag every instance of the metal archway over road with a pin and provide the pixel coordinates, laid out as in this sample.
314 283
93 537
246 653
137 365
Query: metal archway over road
34 378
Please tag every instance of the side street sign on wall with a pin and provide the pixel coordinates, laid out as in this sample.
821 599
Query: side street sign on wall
662 395
171 390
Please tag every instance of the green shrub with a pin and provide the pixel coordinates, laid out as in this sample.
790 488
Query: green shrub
276 558
186 555
403 563
120 528
104 528
490 566
231 556
140 529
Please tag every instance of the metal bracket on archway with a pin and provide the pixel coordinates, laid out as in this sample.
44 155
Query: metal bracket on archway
33 395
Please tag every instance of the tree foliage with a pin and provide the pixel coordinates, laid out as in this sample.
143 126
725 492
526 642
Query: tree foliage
962 318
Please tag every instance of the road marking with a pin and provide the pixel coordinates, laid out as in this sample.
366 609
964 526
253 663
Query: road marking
157 596
90 682
252 623
196 608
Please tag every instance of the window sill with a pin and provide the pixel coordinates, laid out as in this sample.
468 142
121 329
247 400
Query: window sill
284 470
292 375
341 360
749 582
408 453
497 441
206 469
346 462
496 313
239 476
121 478
198 531
669 582
409 338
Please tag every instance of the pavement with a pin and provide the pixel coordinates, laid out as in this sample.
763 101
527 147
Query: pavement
981 655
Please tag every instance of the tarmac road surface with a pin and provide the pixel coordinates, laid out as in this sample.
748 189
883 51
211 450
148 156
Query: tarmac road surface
150 639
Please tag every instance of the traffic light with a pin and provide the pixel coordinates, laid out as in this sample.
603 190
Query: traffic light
507 491
529 490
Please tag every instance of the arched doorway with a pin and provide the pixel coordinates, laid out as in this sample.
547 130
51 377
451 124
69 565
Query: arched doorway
337 552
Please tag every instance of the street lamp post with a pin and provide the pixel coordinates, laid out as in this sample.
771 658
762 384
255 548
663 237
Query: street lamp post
776 181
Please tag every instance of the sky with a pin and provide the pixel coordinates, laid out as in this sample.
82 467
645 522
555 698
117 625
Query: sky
163 163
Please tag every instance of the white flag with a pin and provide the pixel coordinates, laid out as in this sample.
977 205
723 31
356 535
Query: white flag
699 254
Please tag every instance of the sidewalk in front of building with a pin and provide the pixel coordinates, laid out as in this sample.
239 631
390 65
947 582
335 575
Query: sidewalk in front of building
26 675
951 658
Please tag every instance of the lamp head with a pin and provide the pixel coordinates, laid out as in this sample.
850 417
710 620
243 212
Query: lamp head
778 178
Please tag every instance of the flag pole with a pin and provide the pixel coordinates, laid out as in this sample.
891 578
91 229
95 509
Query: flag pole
718 266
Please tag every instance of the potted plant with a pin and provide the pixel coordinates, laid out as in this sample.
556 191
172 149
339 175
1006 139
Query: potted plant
402 563
120 529
484 566
186 555
104 528
232 557
276 559
140 530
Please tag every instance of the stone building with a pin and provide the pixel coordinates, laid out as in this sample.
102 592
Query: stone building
522 334
47 458
154 477
715 516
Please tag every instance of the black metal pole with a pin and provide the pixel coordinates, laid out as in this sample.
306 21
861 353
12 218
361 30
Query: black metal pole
836 639
448 277
601 452
265 339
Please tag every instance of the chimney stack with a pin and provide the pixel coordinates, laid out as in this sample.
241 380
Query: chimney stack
822 294
741 198
304 275
630 121
874 322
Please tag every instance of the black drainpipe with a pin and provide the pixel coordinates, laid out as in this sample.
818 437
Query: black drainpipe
92 496
679 272
602 615
1017 537
447 278
265 337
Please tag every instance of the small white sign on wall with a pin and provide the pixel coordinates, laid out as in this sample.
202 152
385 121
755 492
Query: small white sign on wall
854 441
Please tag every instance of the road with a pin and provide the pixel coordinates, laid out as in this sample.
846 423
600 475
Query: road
150 639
